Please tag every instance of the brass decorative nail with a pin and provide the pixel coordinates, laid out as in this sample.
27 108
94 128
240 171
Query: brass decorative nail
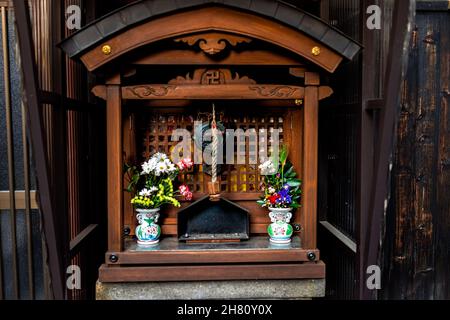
316 51
106 50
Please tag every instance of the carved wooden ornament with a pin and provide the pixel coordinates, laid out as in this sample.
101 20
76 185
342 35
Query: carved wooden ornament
214 42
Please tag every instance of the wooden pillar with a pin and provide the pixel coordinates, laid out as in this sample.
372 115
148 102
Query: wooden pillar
115 166
310 161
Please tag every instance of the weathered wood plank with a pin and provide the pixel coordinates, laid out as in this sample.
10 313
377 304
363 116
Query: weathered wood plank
420 262
313 270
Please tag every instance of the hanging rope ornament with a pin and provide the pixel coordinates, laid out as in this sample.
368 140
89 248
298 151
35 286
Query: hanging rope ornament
215 145
214 186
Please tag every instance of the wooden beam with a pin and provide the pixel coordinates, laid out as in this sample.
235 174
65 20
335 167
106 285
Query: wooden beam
115 167
20 200
158 257
310 270
366 138
207 92
345 240
36 129
310 167
82 238
182 93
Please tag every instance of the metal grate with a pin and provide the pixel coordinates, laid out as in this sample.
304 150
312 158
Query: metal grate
242 178
22 268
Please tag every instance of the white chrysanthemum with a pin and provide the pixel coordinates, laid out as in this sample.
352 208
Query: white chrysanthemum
148 167
267 168
148 192
272 190
161 169
170 166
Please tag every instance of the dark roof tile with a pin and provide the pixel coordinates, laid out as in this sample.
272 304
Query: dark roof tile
265 7
109 26
135 14
89 37
145 9
287 15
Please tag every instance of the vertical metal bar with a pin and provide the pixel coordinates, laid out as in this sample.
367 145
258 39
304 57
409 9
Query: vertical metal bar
1 250
10 142
26 171
34 121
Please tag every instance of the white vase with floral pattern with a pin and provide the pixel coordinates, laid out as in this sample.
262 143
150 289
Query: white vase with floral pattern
280 231
148 231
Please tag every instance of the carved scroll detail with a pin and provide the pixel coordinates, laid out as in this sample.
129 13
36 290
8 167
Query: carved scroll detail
214 42
143 92
212 77
277 92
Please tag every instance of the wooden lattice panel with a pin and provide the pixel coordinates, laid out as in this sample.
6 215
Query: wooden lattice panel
234 178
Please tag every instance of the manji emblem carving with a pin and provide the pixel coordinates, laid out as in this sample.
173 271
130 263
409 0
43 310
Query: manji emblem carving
212 77
214 42
143 92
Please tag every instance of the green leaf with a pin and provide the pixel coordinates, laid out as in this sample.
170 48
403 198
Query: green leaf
284 155
290 173
294 183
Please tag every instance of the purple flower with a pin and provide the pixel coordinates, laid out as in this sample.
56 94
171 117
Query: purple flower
285 200
284 192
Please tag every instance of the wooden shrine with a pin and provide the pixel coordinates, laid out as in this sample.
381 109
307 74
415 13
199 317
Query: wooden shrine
164 63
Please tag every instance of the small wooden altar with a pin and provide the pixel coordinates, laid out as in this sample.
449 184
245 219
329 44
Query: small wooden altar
163 63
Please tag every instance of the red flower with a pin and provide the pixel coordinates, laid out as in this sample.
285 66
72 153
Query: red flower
185 164
188 196
185 192
273 199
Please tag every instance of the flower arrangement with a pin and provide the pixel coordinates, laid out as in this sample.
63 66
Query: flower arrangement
152 186
281 187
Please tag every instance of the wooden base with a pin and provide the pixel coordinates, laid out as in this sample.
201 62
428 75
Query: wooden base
171 252
307 270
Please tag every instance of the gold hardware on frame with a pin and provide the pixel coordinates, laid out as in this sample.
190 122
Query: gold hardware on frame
299 102
107 50
316 51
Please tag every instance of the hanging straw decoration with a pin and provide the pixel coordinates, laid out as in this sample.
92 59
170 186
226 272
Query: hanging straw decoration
214 186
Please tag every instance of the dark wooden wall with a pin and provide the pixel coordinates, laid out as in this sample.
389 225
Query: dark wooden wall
417 236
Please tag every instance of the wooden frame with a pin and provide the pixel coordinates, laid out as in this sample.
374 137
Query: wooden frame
212 36
306 118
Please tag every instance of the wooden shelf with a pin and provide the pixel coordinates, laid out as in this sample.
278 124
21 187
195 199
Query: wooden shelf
291 271
171 251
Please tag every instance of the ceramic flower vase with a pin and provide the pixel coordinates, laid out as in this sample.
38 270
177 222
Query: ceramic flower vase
148 231
280 231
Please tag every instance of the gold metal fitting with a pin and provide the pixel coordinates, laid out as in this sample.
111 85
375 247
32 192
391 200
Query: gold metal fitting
316 51
299 102
107 50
